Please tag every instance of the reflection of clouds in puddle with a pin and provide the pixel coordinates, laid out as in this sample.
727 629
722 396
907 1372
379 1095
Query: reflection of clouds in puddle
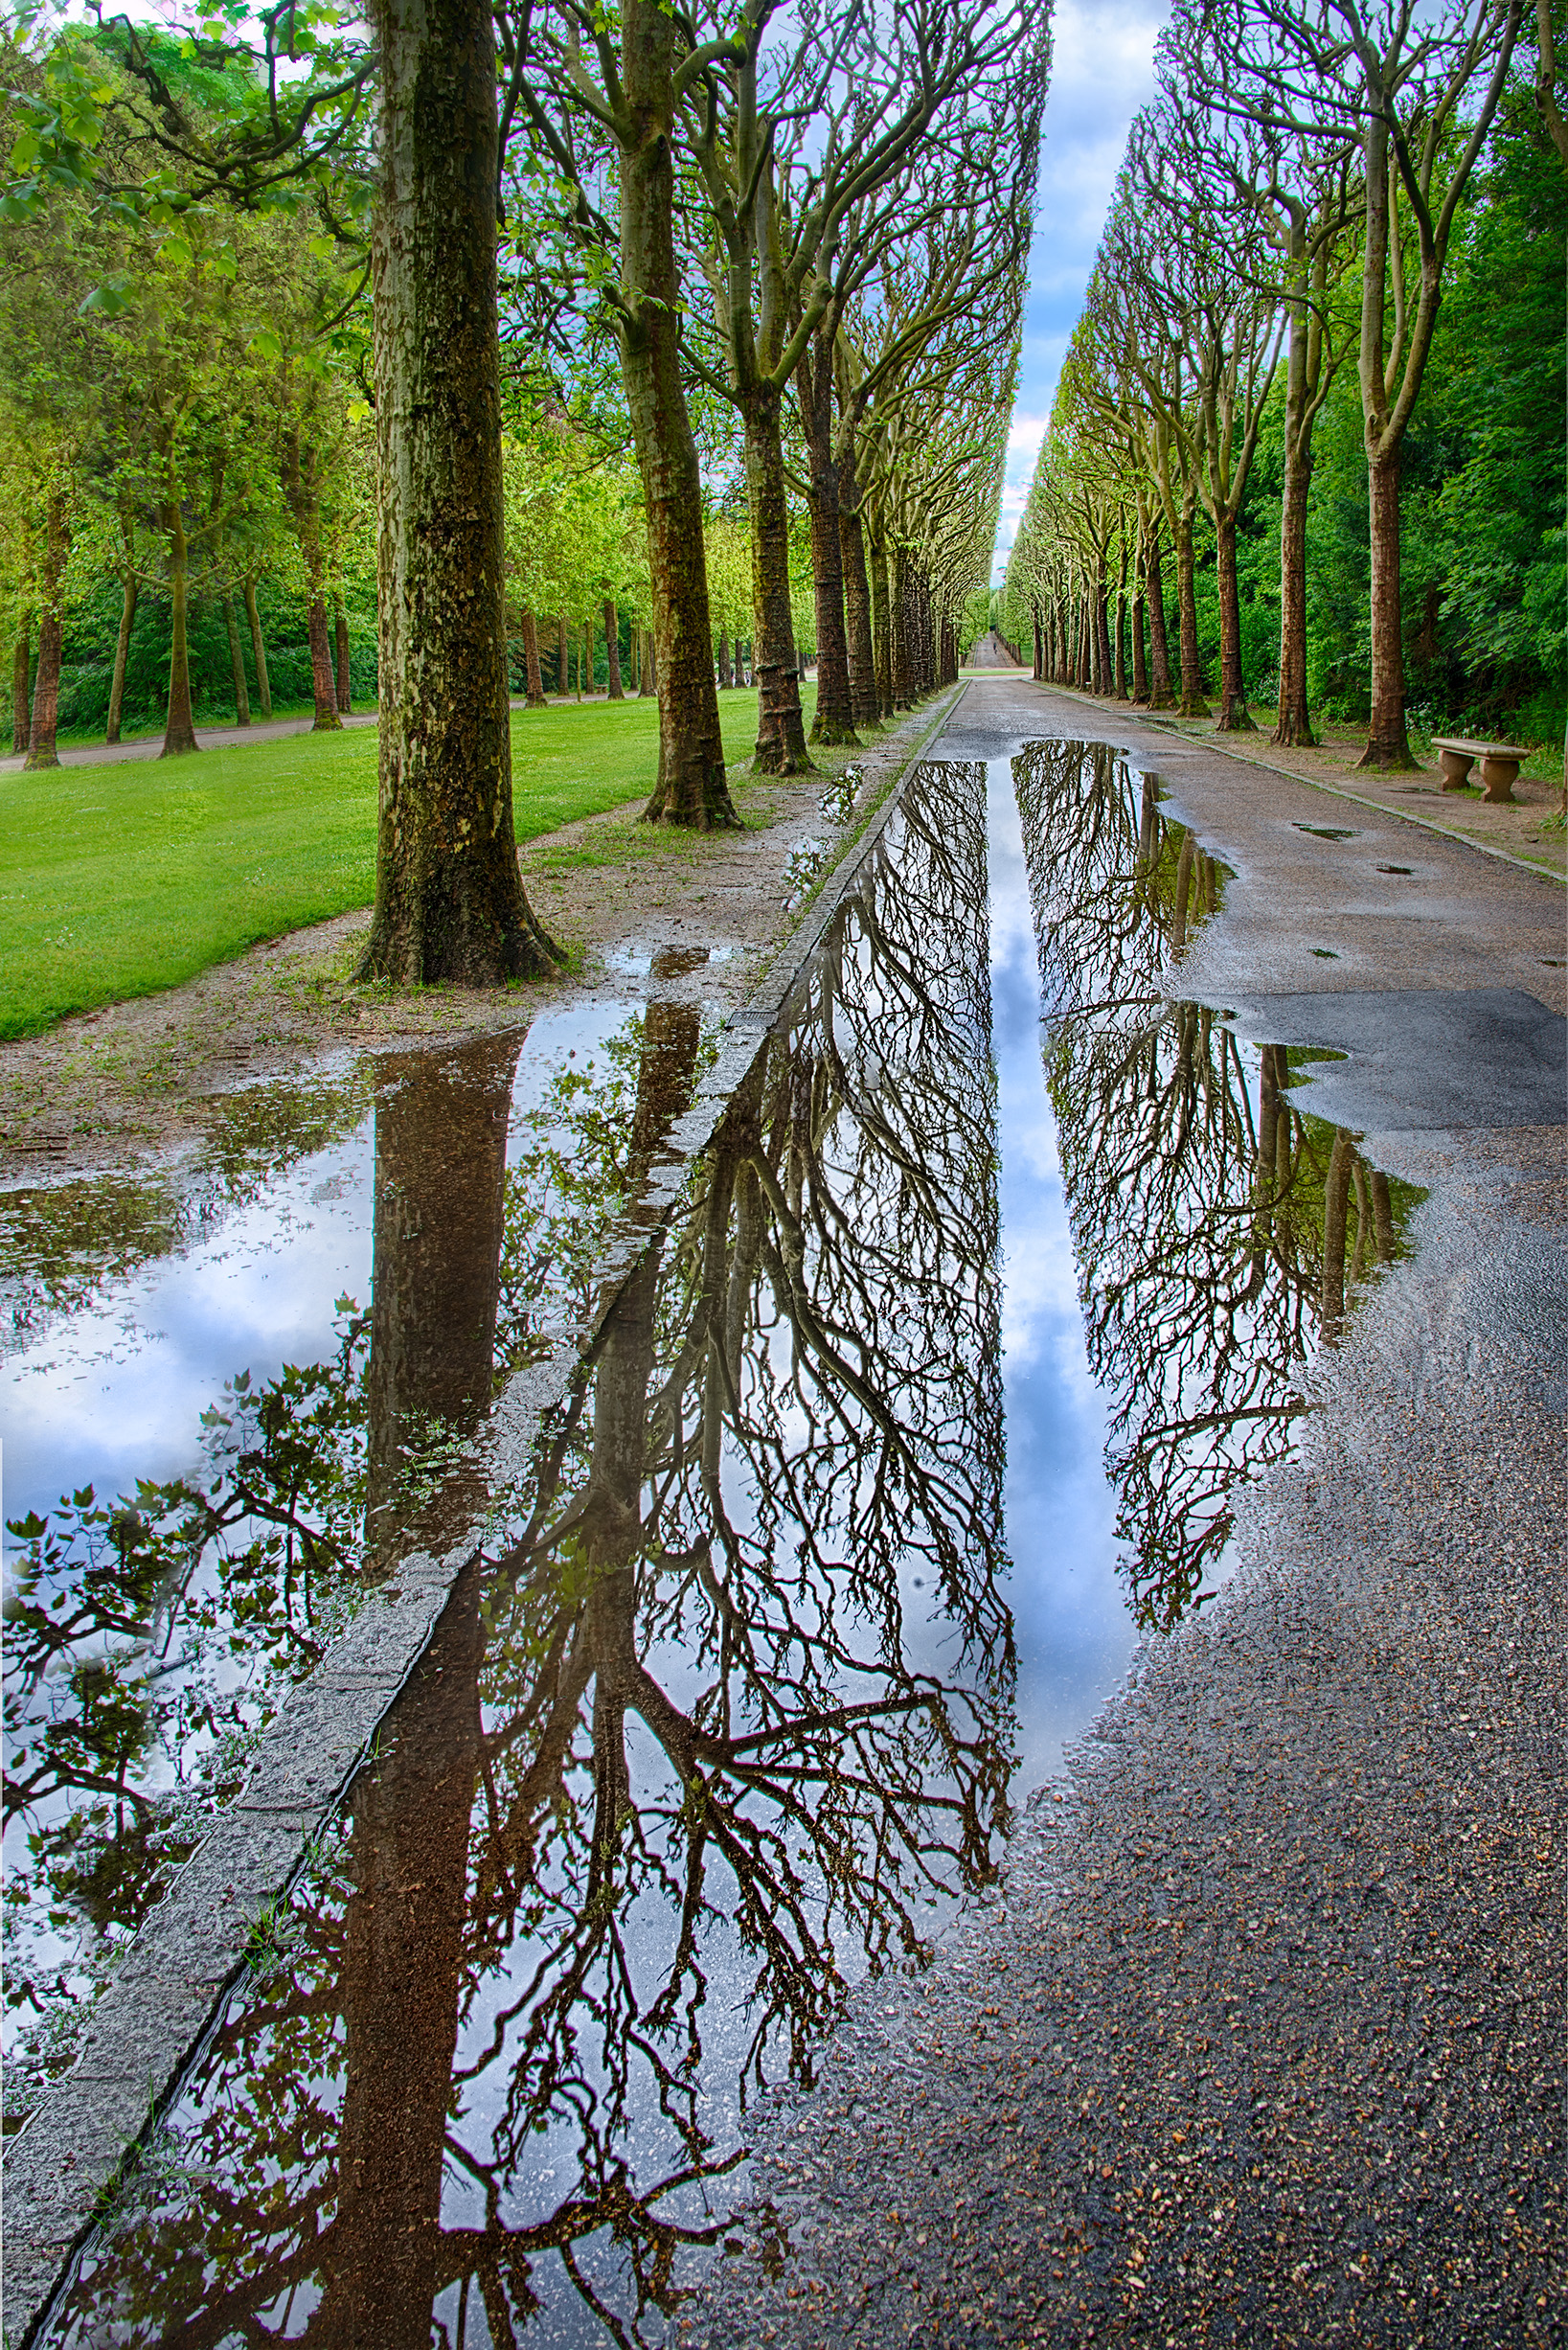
115 1391
637 961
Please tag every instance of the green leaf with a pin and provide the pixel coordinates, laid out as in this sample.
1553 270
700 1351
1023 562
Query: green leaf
266 344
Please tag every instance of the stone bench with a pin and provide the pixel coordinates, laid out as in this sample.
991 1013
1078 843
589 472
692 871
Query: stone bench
1500 764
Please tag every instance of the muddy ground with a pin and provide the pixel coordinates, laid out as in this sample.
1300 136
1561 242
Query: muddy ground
136 1079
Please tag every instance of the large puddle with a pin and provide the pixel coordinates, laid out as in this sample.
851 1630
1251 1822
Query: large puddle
929 1395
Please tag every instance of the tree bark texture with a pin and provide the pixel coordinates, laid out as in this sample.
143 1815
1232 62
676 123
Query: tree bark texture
1039 644
179 731
646 684
903 684
340 631
46 685
861 643
1193 702
257 645
835 718
21 683
780 733
533 687
236 662
726 675
1387 743
612 651
1235 718
324 684
691 790
881 616
1140 664
449 901
1161 693
122 655
302 490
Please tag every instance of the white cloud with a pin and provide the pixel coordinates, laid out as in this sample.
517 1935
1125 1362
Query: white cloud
1102 73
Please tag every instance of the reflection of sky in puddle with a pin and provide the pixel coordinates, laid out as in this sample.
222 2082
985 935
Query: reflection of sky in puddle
1069 1607
786 1575
115 1392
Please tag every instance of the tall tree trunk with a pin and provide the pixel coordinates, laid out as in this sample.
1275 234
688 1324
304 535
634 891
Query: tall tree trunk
1293 722
46 685
726 675
860 641
257 645
179 731
449 899
1120 668
302 493
21 682
1104 661
340 630
324 684
563 675
835 718
237 663
903 687
1387 743
1140 664
1161 693
612 651
1235 718
691 790
881 608
1193 702
647 683
122 655
780 733
533 687
1039 644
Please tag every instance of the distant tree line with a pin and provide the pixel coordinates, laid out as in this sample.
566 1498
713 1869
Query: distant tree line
1307 443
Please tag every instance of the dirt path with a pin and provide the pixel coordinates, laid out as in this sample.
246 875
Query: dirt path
134 1078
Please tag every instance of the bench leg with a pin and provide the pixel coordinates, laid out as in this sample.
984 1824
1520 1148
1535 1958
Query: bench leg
1498 774
1456 768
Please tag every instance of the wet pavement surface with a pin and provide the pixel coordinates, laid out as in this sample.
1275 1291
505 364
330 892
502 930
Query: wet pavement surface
951 1371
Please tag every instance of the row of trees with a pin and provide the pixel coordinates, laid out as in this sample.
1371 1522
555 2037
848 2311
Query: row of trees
802 243
1310 186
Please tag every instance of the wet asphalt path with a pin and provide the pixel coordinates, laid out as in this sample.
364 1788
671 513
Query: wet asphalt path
1260 2037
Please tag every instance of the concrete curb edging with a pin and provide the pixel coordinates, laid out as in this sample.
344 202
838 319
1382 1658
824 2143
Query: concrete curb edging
150 2022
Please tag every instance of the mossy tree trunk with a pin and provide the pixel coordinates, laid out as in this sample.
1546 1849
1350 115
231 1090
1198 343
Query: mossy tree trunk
179 730
340 630
258 650
449 899
861 644
21 681
46 685
834 720
237 663
691 790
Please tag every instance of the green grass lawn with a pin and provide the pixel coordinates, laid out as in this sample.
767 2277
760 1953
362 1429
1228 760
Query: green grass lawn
118 879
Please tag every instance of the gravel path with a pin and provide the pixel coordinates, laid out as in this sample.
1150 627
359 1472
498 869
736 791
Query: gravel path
1260 2037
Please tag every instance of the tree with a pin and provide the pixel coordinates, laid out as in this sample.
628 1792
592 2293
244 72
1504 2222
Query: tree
449 899
1420 94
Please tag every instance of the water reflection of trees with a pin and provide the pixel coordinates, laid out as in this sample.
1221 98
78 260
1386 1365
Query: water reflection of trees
152 1635
1219 1227
726 1723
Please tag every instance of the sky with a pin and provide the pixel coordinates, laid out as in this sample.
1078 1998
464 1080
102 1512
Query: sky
1102 73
